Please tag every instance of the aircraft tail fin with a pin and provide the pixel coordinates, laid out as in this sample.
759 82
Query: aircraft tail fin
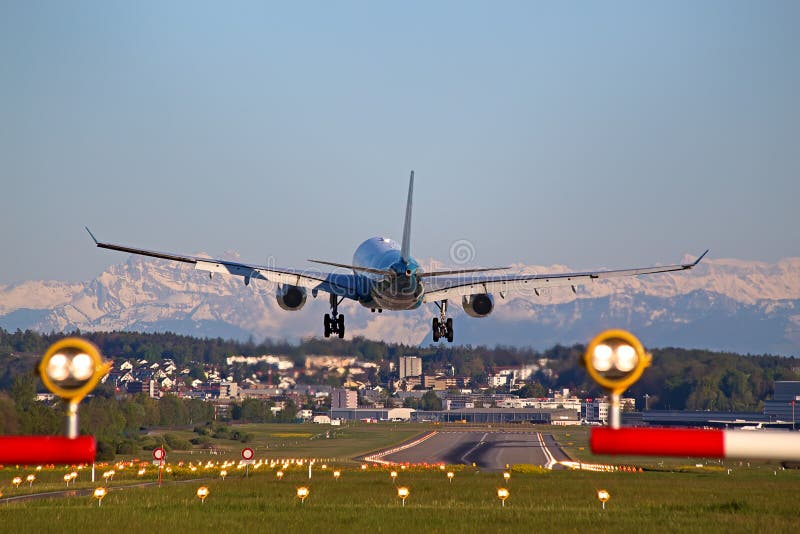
405 248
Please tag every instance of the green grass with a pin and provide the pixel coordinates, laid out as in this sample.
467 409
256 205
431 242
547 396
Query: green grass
757 498
308 440
746 501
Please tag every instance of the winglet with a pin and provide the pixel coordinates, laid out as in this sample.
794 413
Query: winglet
703 255
405 248
96 242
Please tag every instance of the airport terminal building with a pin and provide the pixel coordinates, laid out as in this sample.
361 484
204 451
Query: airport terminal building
470 415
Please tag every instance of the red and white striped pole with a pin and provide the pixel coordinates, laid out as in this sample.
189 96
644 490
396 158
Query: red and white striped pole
698 443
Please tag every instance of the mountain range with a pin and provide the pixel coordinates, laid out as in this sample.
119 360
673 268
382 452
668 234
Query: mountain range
722 304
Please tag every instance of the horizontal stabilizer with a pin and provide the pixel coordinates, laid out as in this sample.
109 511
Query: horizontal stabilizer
356 268
461 271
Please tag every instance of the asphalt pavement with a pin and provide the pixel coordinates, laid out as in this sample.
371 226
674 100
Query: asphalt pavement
489 450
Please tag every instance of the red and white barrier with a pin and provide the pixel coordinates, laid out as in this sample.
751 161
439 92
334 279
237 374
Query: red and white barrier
698 443
47 450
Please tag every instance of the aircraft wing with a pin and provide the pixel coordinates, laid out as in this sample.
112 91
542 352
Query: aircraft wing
441 288
338 283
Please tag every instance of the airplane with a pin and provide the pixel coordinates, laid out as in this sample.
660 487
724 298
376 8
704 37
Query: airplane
384 276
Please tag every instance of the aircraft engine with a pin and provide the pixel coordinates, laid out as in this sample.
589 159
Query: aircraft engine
479 305
291 298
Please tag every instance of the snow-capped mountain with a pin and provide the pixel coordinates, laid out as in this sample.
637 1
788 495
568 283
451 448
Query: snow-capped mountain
748 307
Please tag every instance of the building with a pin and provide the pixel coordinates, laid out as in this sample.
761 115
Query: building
497 381
499 415
228 390
153 389
596 410
372 414
783 407
410 366
344 398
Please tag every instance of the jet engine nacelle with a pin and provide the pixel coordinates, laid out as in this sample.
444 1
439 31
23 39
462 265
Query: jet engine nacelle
479 305
291 298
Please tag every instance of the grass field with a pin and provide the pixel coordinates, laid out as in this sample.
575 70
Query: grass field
759 498
341 443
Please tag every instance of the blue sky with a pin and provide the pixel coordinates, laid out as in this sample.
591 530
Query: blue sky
591 134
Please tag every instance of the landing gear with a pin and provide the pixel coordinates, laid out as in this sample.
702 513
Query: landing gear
442 325
334 322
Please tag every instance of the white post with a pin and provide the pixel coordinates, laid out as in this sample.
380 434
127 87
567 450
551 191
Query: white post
92 472
614 415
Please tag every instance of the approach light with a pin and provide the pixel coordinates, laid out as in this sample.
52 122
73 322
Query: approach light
302 493
615 359
16 481
506 476
279 474
99 493
337 474
603 496
403 492
223 474
502 494
30 478
393 474
70 369
202 493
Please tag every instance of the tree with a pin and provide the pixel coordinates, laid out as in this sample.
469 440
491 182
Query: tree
9 423
23 392
431 401
172 411
253 410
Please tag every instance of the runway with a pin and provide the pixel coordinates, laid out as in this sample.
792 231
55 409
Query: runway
489 450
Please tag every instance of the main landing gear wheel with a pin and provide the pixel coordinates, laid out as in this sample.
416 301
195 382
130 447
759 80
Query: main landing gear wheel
327 323
442 325
340 326
333 322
